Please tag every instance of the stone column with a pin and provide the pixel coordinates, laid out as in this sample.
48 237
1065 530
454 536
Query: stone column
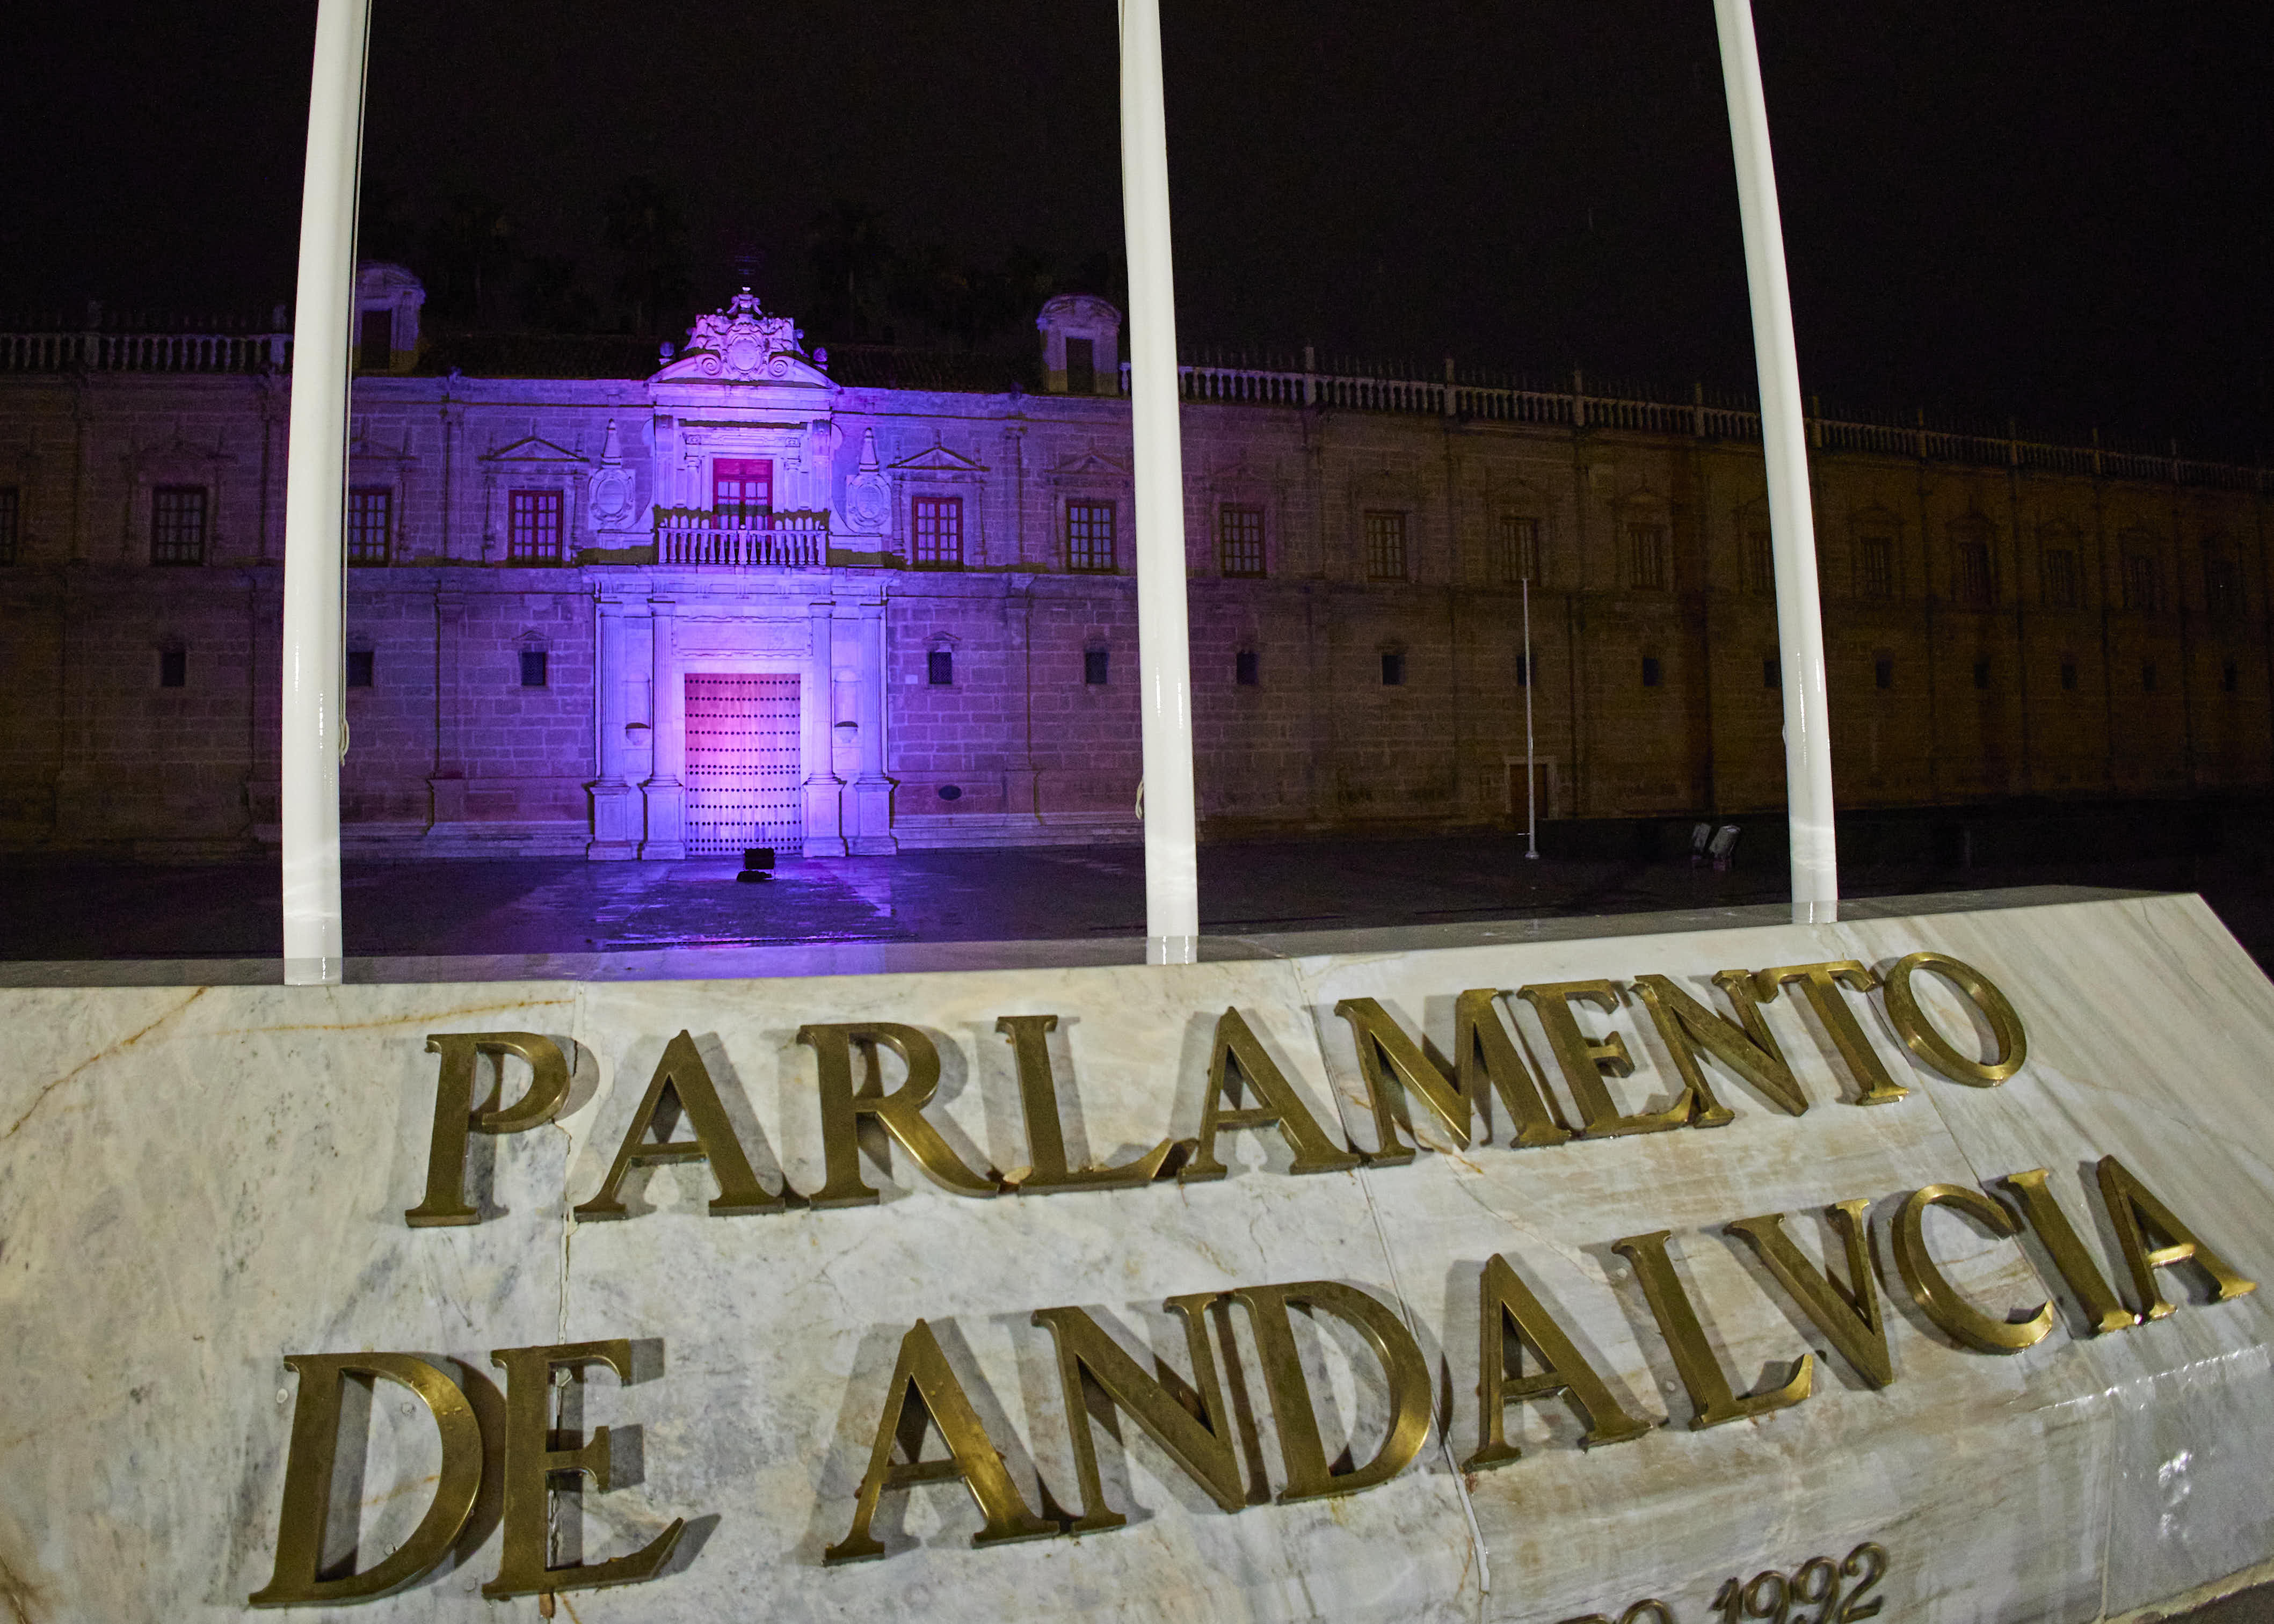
824 829
665 794
871 832
615 804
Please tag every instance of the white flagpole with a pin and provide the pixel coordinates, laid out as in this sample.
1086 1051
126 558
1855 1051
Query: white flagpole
1172 908
1784 441
1531 774
315 495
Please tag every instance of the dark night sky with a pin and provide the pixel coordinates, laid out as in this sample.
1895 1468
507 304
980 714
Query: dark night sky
2052 209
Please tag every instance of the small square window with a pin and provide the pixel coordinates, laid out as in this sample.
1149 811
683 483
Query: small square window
1771 671
1982 673
1243 668
2230 679
939 668
532 668
1094 667
1883 672
1393 671
173 668
2068 676
2147 676
1650 670
359 667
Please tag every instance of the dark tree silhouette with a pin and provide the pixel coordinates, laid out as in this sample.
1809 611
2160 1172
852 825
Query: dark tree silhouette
645 225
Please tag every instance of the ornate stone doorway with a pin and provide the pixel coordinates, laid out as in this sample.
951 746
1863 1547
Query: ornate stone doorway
744 778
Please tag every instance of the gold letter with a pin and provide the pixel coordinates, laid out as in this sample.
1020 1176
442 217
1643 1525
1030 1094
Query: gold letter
1585 1061
1203 1443
1488 1059
2135 1212
1920 1037
900 1111
682 1071
454 1115
1931 1289
1282 1107
924 1371
1711 1401
2077 1269
1820 984
531 1463
1038 1101
1685 1024
1849 1315
1291 1414
308 1479
1504 1300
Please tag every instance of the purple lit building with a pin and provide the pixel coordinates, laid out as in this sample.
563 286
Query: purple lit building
759 597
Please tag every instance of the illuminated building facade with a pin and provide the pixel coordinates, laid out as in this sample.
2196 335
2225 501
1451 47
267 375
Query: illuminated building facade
757 597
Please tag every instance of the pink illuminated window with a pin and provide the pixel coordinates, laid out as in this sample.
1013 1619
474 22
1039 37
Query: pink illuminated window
938 526
742 491
534 527
369 510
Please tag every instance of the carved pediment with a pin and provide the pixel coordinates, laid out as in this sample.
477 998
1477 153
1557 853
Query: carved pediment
937 458
742 345
535 449
1092 461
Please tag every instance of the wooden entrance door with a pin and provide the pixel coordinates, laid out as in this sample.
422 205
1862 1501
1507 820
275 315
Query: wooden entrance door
743 763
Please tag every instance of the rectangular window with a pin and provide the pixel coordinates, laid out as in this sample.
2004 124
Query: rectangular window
375 340
1771 671
939 668
1883 672
2140 583
1875 567
1760 565
2147 676
1239 540
360 666
1244 668
1081 366
2230 677
1393 671
1514 555
369 511
1970 575
2068 676
1982 673
1385 546
741 492
532 667
1647 557
1095 666
938 530
173 668
11 509
1650 671
1090 537
177 524
2064 588
2222 588
534 527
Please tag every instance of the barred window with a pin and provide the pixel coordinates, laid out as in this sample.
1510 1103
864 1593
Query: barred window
2064 588
11 512
1239 539
360 662
1513 554
1385 546
1647 557
2140 583
534 527
370 511
2222 586
177 524
939 668
1760 565
1970 575
1090 536
939 529
1875 567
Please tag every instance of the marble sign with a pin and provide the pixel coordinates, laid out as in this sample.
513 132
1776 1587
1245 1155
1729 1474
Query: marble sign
198 1183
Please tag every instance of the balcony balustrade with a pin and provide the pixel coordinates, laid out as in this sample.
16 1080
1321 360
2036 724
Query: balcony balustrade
689 536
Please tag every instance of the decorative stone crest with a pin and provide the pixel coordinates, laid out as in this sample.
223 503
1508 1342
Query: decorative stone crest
868 493
611 499
742 343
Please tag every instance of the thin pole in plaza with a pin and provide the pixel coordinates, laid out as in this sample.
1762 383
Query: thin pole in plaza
1165 666
315 497
1531 772
1784 441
